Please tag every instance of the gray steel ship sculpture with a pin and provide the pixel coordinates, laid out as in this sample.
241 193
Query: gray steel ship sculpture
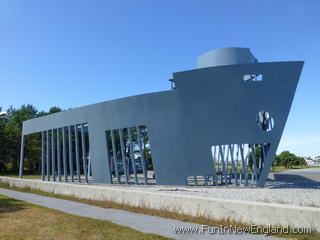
220 124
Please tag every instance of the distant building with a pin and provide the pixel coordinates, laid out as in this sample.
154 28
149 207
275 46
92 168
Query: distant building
313 161
3 116
205 130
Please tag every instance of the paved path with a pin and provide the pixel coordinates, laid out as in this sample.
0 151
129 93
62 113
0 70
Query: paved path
140 222
307 178
313 174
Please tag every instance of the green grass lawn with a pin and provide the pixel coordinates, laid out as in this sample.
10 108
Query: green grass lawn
282 168
20 220
29 176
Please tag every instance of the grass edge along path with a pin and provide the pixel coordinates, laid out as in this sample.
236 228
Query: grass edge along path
160 213
46 223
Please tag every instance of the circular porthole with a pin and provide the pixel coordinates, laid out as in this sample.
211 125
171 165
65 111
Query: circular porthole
265 121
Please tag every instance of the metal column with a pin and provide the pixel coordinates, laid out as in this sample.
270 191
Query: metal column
21 157
77 152
244 167
42 154
84 153
124 162
58 154
144 168
235 170
132 157
48 156
64 154
115 159
53 156
109 162
70 154
221 150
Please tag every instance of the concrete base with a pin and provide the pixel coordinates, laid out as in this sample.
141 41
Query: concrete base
241 211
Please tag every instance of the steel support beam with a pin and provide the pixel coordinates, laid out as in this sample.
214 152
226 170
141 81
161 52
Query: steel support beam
144 167
133 161
70 153
224 170
64 155
244 167
84 153
48 155
53 156
21 157
76 133
109 160
115 159
124 162
235 173
214 168
58 154
42 155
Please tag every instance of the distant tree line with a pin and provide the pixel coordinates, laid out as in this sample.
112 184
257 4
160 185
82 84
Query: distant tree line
285 158
10 138
289 160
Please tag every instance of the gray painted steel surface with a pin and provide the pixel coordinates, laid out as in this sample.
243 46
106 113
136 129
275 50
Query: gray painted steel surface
216 105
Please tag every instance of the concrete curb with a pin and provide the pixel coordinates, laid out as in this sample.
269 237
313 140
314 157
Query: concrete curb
241 211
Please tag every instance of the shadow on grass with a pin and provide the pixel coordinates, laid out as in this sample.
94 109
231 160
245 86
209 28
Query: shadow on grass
8 205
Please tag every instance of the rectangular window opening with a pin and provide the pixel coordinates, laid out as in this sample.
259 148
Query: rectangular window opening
129 156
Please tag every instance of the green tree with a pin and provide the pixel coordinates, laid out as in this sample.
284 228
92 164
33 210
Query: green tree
288 160
10 138
13 131
257 155
54 109
2 142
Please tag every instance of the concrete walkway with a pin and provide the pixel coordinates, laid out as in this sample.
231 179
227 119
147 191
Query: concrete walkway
140 222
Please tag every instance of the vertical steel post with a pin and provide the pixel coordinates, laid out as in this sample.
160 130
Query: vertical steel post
214 165
42 155
70 153
244 168
115 159
144 167
195 180
223 164
77 152
89 167
53 156
64 155
132 157
109 161
124 160
48 155
58 154
239 163
21 156
84 153
235 173
253 150
205 180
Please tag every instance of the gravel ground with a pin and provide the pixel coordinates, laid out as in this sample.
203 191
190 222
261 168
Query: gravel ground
293 196
295 187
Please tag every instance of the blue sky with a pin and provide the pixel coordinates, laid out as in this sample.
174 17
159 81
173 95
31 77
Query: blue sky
73 53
